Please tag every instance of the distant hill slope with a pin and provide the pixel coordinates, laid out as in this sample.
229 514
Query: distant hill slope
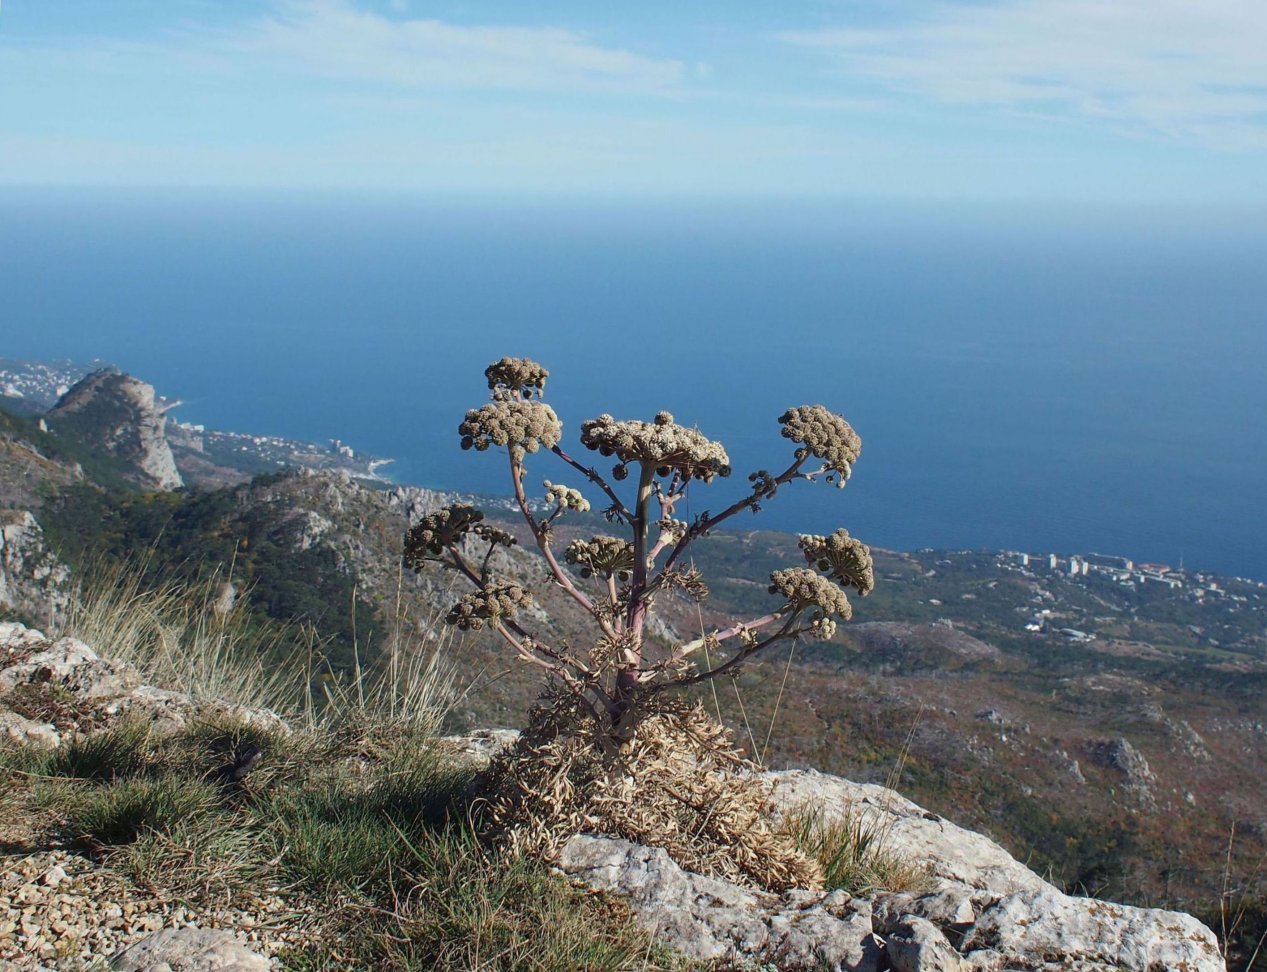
116 413
204 457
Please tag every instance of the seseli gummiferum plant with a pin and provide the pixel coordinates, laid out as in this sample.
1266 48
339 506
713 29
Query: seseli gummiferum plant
630 571
615 692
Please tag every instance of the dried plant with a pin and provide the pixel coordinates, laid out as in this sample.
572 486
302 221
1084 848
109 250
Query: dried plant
617 684
615 676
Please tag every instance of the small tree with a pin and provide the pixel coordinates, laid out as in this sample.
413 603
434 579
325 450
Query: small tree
613 694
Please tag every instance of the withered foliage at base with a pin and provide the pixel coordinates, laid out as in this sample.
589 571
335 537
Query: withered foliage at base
678 784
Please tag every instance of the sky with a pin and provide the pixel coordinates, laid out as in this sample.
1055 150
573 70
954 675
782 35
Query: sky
1148 101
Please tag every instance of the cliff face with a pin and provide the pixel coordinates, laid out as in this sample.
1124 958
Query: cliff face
116 412
32 579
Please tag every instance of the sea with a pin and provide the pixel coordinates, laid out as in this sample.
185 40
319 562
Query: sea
1055 378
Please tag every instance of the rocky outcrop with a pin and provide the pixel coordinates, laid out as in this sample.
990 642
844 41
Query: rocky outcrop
1034 929
984 910
117 413
950 854
713 920
981 911
32 579
955 928
1119 755
68 681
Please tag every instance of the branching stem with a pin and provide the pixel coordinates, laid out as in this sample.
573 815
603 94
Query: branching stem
542 537
786 631
594 477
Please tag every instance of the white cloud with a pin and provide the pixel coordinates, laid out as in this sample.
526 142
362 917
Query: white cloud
1186 68
336 39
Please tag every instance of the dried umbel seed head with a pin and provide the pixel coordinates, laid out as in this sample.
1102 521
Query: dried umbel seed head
438 530
690 582
602 555
512 377
495 535
566 497
662 444
498 603
520 426
825 435
846 559
764 484
805 589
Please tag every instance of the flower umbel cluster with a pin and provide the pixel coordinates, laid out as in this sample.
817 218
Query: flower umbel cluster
439 530
494 535
566 497
662 444
520 426
512 377
602 555
825 435
805 589
495 604
846 559
673 529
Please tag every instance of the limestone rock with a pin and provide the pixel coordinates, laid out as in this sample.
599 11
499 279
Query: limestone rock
985 913
1033 928
949 908
915 944
1119 755
73 666
713 920
413 502
27 732
18 637
190 950
481 745
94 684
32 579
948 852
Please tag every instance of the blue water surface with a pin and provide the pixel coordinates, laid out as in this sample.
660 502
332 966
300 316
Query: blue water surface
1023 378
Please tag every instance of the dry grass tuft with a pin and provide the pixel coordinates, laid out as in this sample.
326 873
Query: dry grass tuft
851 847
678 784
192 637
413 691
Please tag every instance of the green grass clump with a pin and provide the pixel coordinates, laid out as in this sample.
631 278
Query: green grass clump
851 848
364 832
209 856
469 910
358 831
123 750
120 812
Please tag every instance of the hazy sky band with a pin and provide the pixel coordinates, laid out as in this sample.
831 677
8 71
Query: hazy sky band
1139 100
